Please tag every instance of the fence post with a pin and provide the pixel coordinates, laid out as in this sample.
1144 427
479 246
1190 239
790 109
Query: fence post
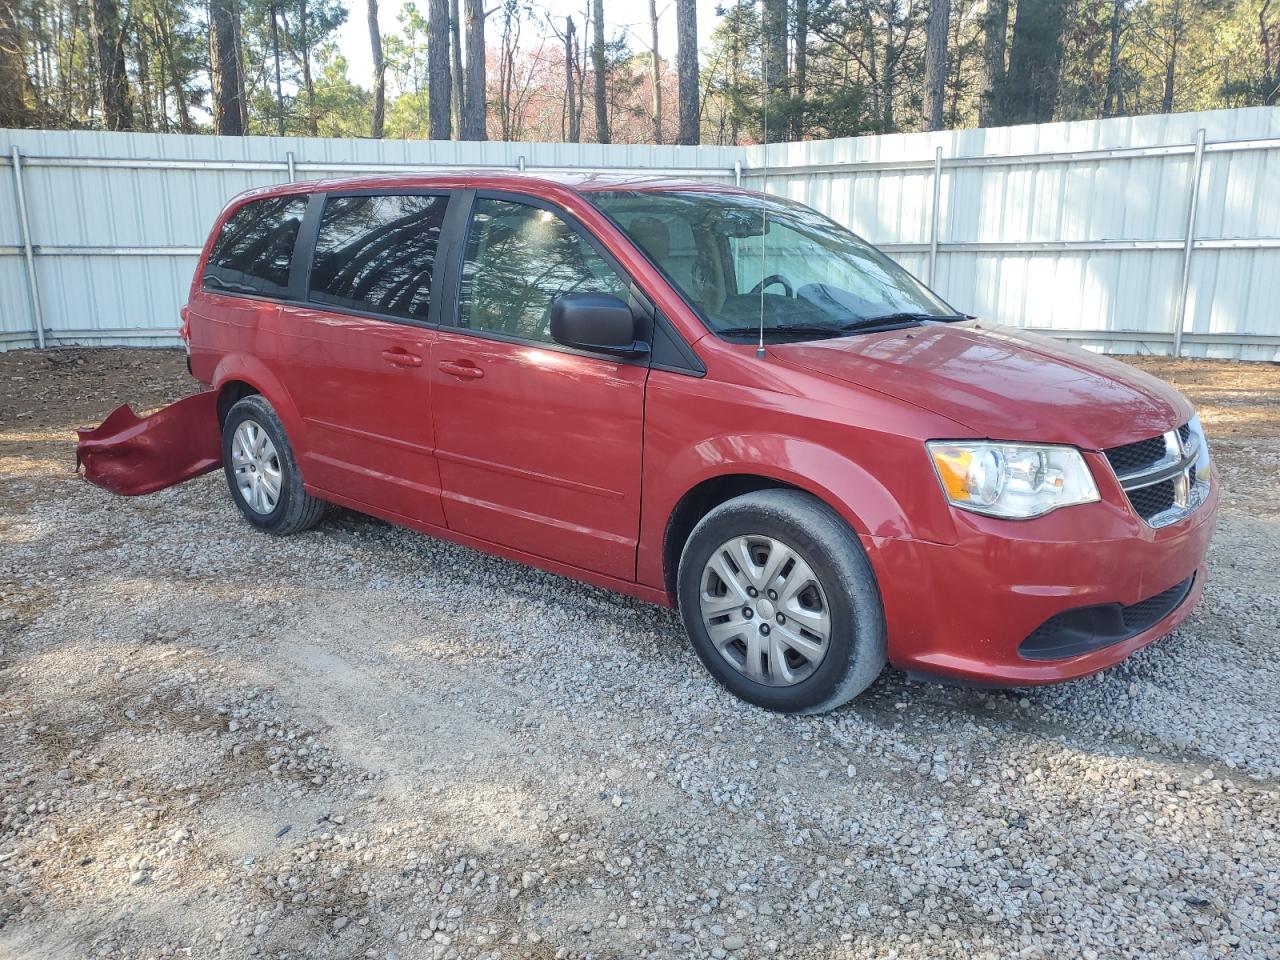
737 173
24 224
1188 244
933 219
288 158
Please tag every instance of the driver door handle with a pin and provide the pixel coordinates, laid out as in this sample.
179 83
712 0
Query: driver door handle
463 369
401 358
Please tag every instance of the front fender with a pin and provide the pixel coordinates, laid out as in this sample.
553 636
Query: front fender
862 500
852 489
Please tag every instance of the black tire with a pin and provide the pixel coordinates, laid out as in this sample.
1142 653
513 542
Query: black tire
856 649
295 510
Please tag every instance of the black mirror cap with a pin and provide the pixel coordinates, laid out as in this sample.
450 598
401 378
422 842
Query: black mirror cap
597 322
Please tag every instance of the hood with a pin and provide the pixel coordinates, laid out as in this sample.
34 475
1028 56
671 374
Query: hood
1001 382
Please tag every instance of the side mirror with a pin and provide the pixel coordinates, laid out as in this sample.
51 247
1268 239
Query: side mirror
599 322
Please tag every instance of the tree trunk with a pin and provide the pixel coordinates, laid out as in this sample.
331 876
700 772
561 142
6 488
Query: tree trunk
439 78
379 73
656 72
598 68
1113 60
239 54
13 74
775 51
146 90
935 62
275 49
307 83
995 29
1170 67
889 75
113 83
800 71
1035 62
687 70
474 108
735 67
175 78
570 99
455 54
227 75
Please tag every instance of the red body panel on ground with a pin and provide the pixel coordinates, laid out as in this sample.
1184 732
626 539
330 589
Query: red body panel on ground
132 455
580 464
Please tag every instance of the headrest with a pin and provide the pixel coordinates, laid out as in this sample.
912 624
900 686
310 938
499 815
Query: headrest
653 235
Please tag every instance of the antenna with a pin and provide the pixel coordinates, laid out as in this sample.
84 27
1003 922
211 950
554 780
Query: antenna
764 210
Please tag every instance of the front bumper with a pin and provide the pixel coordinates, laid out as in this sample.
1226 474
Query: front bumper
961 611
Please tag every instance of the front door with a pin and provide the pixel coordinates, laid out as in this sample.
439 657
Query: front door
539 446
356 355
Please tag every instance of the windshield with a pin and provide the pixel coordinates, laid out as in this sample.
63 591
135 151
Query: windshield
722 250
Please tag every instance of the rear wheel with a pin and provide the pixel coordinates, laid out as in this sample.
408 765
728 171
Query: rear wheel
262 472
780 602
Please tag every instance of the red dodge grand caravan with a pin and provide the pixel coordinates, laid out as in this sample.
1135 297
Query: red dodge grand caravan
708 398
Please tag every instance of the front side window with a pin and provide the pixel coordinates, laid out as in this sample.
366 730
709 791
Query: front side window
378 253
254 248
519 260
734 255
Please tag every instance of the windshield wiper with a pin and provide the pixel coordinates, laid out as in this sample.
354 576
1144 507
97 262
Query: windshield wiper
905 316
788 329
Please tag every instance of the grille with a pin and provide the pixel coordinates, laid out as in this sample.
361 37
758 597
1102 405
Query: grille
1084 629
1152 500
1138 616
1184 432
1135 457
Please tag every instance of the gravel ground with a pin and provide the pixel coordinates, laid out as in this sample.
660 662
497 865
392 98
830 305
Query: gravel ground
360 742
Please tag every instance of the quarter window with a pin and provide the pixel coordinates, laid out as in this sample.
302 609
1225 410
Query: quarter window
254 248
378 253
519 260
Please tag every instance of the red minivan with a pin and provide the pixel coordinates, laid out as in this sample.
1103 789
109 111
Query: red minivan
706 398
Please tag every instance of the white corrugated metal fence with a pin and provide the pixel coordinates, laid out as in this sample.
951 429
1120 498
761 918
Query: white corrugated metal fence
1149 234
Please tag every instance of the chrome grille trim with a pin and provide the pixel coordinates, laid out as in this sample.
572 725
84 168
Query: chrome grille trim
1177 467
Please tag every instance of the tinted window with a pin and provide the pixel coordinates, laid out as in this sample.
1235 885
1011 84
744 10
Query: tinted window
519 260
378 253
255 247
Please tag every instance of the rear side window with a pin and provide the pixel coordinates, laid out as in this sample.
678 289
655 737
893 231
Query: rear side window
378 253
255 247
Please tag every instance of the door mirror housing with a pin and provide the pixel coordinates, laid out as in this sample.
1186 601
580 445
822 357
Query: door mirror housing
598 322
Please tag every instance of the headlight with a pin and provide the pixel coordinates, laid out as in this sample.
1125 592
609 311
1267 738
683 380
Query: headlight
1201 444
1016 481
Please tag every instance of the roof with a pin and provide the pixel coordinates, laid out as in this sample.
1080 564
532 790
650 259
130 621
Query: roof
550 184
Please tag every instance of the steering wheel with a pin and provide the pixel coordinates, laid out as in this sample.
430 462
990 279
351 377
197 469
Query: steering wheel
770 281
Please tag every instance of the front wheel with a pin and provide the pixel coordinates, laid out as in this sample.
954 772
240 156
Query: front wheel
781 603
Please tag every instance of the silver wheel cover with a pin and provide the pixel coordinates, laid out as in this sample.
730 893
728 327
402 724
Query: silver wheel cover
765 610
256 466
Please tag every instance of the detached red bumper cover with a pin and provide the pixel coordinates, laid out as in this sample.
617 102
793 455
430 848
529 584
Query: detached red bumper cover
132 455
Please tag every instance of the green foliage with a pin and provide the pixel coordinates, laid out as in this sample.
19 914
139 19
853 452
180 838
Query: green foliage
863 66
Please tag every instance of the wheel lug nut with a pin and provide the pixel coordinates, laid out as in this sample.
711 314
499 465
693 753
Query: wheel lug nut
773 594
764 629
781 619
748 613
752 592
